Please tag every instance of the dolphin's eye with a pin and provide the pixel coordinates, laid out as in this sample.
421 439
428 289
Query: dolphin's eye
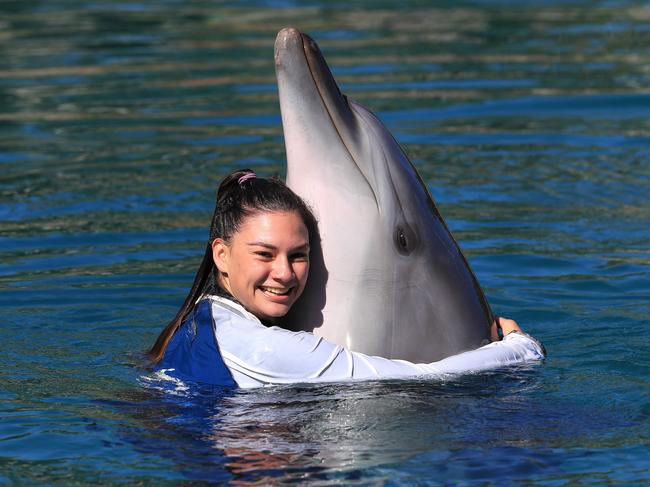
405 239
402 240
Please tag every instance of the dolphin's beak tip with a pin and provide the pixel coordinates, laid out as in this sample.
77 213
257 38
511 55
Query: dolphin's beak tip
289 30
289 38
286 36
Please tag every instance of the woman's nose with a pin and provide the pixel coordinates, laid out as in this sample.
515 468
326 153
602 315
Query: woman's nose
282 269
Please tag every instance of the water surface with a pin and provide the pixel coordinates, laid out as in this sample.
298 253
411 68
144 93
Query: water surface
528 121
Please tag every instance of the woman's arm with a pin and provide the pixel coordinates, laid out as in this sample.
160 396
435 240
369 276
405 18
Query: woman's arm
257 355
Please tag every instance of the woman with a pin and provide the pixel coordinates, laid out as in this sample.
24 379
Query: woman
254 269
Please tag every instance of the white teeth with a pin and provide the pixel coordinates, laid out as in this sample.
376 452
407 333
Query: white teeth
277 292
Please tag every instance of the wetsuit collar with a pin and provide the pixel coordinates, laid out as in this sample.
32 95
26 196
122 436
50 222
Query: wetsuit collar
232 304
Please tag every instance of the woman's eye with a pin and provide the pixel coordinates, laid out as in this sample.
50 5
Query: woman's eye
301 256
264 255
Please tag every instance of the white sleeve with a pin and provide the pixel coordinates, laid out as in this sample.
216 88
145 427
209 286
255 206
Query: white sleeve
258 355
516 347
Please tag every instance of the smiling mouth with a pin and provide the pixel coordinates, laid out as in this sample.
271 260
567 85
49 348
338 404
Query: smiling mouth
276 291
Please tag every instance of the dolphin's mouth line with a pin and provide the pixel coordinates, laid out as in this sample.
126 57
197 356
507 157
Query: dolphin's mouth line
318 65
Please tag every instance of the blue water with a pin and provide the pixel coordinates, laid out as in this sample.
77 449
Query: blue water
529 122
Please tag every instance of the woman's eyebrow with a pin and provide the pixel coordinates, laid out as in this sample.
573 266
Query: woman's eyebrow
261 244
267 245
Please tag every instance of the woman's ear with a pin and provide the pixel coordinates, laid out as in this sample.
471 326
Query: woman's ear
221 255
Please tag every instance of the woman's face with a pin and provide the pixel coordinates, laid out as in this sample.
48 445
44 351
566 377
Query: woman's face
266 263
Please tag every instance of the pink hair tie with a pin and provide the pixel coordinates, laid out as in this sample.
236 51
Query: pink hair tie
246 177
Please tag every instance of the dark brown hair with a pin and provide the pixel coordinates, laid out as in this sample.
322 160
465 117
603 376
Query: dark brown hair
240 195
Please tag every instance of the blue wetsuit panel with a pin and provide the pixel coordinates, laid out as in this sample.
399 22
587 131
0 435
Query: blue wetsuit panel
193 353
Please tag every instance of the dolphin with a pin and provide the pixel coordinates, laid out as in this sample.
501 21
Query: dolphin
387 277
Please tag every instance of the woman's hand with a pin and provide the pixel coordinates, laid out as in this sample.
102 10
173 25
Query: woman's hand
506 325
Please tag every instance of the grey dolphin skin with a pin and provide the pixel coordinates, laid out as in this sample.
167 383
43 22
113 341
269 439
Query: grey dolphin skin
388 279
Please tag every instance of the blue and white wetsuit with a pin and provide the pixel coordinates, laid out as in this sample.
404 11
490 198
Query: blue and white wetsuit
221 343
